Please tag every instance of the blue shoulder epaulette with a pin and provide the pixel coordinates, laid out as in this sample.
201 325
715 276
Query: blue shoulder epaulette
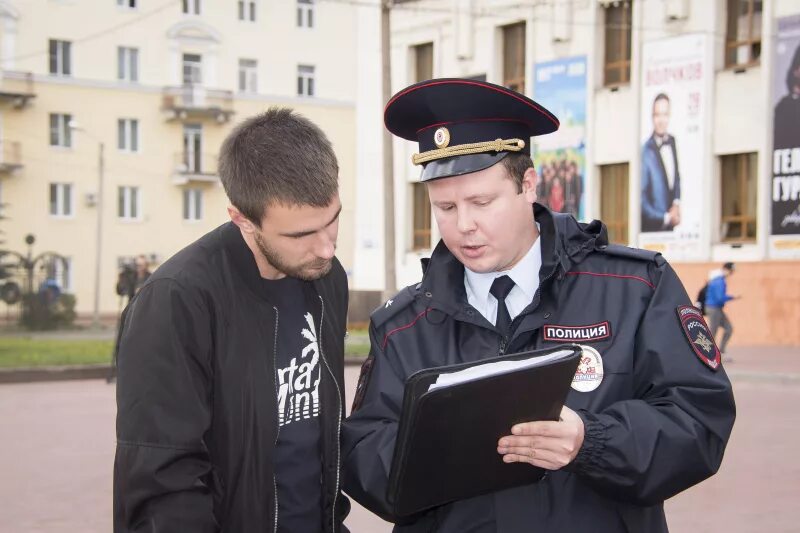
394 305
632 253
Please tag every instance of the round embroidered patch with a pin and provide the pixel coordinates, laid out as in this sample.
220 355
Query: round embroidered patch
441 137
699 336
589 375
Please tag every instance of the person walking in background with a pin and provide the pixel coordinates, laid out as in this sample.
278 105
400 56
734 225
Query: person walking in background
716 298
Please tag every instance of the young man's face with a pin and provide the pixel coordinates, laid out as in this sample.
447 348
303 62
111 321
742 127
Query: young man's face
299 241
484 221
660 117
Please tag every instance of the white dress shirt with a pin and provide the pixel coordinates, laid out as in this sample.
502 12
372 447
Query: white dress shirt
526 278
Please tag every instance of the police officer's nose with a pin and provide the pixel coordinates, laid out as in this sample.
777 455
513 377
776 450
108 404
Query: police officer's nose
466 223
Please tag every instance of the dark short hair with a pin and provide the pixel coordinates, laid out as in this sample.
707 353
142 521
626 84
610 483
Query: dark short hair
516 164
277 157
728 266
660 96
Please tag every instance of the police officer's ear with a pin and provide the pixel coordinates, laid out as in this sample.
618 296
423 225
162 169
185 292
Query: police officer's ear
243 223
529 185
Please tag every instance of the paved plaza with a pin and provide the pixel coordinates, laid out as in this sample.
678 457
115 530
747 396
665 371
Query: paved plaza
57 449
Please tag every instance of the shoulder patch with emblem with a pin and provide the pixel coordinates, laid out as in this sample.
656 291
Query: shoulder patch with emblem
699 336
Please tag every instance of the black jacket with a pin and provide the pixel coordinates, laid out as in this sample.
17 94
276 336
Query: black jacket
197 396
657 424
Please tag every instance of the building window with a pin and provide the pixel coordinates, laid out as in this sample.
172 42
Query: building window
129 203
305 80
192 69
614 201
192 204
514 57
60 132
128 4
739 196
127 63
61 199
423 62
248 76
61 273
743 35
191 7
193 148
247 10
617 62
422 217
305 13
60 57
128 134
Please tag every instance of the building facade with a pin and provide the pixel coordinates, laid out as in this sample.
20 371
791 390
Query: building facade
668 131
112 114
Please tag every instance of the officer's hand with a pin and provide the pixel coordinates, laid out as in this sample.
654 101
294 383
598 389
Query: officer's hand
550 445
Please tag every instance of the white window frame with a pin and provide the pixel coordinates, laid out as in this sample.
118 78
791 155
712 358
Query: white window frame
128 63
192 7
305 13
128 135
193 205
306 80
248 75
247 10
63 133
131 197
62 278
63 49
64 200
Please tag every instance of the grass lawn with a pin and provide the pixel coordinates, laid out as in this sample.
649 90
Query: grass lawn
28 352
22 352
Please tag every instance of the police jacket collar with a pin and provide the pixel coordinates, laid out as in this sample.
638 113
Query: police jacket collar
565 242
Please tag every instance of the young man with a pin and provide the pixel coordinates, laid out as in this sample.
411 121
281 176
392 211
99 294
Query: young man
230 391
650 410
661 178
716 298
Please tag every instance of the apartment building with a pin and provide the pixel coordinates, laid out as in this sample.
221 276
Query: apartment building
112 113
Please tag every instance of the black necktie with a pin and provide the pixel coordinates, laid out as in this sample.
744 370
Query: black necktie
500 288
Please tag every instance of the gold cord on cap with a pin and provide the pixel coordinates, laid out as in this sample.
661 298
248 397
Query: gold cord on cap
498 145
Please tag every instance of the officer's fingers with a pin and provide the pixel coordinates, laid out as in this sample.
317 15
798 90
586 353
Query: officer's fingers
512 441
538 458
544 429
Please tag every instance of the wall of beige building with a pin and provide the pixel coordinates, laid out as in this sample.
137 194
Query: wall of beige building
467 41
95 99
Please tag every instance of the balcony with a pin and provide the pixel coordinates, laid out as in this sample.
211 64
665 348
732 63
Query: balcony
194 167
16 88
194 102
10 157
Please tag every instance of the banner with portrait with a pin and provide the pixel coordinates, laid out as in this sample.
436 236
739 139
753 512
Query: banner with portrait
560 158
673 145
785 219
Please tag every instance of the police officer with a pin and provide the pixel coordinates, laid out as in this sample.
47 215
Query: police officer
650 409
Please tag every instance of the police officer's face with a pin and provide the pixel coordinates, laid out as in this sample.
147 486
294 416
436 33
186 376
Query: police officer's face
295 241
484 221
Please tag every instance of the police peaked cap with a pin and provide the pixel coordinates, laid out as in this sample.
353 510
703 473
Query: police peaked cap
464 126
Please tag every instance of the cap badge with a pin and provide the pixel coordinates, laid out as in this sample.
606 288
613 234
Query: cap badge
441 137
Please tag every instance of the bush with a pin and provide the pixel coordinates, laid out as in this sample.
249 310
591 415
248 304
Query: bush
42 313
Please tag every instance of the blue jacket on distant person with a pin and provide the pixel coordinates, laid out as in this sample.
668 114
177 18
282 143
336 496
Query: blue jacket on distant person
717 292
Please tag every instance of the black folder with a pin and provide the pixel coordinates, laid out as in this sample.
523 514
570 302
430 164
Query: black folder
446 448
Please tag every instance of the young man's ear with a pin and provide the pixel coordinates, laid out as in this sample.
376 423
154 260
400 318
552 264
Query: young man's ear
241 221
529 180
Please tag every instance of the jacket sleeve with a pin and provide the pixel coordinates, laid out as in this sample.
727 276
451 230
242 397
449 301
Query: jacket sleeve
368 434
162 469
672 435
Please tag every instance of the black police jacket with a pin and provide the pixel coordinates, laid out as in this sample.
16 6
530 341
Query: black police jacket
657 423
197 397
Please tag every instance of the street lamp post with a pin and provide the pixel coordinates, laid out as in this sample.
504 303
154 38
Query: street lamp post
98 249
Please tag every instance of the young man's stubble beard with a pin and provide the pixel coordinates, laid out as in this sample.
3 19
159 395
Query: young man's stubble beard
309 271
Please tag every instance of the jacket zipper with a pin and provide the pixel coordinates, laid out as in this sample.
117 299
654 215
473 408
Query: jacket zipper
278 430
339 416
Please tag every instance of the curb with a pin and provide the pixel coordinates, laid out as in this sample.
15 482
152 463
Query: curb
99 371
